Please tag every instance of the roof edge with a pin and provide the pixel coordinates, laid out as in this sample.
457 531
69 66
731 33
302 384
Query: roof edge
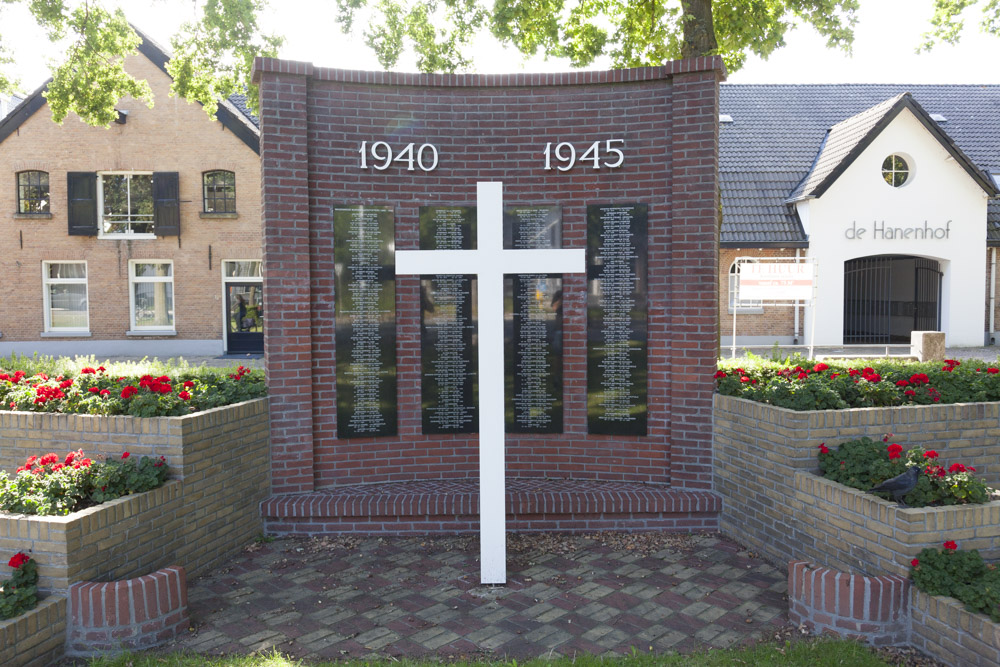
23 111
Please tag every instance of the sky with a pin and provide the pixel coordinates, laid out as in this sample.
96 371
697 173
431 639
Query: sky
887 34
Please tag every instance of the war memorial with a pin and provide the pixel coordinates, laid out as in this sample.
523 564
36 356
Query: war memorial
523 263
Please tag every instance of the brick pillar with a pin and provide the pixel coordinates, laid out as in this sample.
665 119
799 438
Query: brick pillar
285 219
693 321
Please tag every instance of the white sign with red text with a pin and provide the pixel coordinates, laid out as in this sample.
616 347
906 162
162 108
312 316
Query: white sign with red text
776 281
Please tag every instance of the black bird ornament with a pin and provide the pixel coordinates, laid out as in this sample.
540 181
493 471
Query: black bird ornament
899 485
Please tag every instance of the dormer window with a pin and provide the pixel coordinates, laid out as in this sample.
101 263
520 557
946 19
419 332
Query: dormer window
895 170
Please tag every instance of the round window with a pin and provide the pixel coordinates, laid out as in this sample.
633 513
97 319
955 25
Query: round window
895 171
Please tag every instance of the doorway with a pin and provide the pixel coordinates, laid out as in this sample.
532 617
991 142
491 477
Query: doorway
244 309
886 297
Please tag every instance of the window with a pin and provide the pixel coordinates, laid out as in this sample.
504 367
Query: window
65 294
243 269
126 203
151 295
734 285
895 170
33 192
219 189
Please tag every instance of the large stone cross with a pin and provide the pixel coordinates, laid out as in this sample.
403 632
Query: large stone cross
489 262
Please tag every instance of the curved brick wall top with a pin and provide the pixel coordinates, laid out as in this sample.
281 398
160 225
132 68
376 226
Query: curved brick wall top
262 66
489 128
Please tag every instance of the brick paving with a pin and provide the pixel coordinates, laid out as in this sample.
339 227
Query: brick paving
352 597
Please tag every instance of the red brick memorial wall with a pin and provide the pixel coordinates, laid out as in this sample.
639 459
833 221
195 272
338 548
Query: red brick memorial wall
652 137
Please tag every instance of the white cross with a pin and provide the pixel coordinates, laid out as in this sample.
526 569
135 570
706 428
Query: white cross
489 262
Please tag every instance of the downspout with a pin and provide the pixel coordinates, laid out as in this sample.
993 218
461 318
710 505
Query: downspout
795 327
993 296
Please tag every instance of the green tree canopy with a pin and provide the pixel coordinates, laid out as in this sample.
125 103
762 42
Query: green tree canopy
212 56
631 33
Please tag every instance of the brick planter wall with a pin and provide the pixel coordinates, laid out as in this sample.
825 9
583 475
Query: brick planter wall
35 639
133 614
941 627
765 457
220 460
854 530
871 609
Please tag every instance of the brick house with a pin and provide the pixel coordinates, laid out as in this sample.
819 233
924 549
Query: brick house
891 189
140 239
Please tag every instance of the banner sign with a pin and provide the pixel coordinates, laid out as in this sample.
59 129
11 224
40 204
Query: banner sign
776 281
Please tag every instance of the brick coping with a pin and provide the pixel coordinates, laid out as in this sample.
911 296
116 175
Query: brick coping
461 497
263 66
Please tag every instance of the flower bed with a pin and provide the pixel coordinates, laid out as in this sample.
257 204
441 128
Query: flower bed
98 391
219 459
773 501
840 385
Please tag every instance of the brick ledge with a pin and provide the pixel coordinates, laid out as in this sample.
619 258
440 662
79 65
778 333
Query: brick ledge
461 498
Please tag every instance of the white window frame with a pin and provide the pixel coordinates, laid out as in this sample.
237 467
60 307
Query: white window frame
133 279
101 234
754 307
46 295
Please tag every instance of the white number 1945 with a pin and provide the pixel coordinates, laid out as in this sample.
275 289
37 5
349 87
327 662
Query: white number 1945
564 154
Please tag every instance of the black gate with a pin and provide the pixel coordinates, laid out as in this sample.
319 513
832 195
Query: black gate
888 296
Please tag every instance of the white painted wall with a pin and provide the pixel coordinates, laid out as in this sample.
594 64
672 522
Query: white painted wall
938 194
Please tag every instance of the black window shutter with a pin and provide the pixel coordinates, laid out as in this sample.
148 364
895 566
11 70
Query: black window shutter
166 204
82 207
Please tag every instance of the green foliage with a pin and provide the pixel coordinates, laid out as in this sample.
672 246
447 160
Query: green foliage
963 575
19 593
213 58
631 33
92 78
822 652
143 389
947 22
857 383
865 463
48 486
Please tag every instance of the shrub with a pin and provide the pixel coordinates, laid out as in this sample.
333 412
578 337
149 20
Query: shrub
19 593
963 575
49 486
98 390
865 463
857 384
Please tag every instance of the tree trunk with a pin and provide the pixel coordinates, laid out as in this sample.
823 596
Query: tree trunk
699 31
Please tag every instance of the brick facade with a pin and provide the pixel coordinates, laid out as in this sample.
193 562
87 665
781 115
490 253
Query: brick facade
489 128
173 136
35 638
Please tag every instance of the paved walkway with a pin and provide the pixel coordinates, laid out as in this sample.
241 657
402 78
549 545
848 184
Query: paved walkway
351 597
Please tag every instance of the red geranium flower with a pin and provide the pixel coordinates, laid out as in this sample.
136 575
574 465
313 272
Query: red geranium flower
184 395
950 545
18 560
902 383
718 374
87 370
820 367
915 563
956 467
823 448
744 379
129 391
993 371
189 384
930 454
895 451
105 392
94 390
909 392
125 455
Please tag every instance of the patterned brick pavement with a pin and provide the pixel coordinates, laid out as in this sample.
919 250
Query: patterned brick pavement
352 597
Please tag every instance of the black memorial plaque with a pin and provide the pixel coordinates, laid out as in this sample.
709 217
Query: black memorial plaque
448 354
533 326
365 319
617 319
